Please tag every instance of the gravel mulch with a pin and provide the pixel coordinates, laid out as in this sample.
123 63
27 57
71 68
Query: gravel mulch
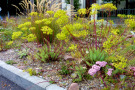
50 71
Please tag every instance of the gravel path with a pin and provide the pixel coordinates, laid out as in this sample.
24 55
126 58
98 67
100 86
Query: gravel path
6 84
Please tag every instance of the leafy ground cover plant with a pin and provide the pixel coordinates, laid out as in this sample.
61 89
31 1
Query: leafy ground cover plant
11 62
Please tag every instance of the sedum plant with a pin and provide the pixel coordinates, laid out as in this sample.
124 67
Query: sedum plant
80 71
31 71
46 54
49 53
94 55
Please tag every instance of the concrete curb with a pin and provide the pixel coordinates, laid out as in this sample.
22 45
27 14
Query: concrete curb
24 80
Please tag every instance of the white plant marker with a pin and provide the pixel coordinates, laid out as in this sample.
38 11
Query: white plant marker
72 4
0 8
94 16
69 10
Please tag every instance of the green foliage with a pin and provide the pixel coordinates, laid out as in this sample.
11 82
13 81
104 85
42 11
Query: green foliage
64 70
117 71
6 34
47 54
118 61
5 37
108 88
131 62
52 82
31 71
23 54
11 62
95 55
80 71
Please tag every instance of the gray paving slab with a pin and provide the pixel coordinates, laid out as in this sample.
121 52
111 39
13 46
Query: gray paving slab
24 80
6 84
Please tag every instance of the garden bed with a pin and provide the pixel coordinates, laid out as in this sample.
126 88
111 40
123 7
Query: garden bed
51 70
93 54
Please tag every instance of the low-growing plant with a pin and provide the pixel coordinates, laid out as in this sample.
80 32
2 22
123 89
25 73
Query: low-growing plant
11 62
31 71
23 53
50 53
94 55
64 70
5 38
80 71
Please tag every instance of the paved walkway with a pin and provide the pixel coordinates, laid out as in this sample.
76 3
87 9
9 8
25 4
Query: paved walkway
6 84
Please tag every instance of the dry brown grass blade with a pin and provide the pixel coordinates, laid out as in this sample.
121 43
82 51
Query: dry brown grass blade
41 6
22 5
56 5
33 6
16 7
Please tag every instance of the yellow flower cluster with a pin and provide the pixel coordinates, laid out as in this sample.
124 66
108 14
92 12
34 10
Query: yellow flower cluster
50 12
110 42
10 43
33 14
38 21
46 21
24 28
47 30
26 24
75 29
32 28
95 6
108 7
82 11
77 26
115 31
31 37
16 35
131 16
122 15
111 22
119 62
61 36
66 29
73 47
41 15
130 23
62 20
59 13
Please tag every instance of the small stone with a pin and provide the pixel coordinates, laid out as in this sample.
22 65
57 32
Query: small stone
74 86
68 57
40 76
112 85
122 76
38 70
22 67
102 85
73 75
